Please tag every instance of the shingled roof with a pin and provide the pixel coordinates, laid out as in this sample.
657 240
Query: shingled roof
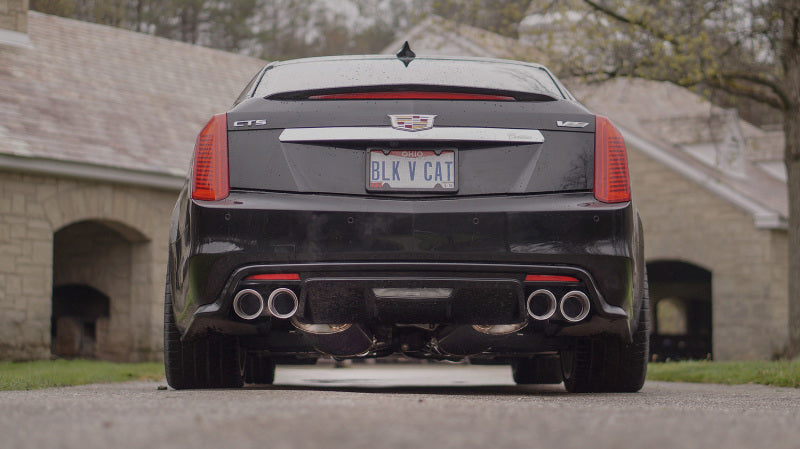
438 36
95 96
708 144
735 160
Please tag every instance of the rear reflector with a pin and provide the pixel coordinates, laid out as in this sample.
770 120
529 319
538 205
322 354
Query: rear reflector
410 95
274 277
210 170
611 181
549 278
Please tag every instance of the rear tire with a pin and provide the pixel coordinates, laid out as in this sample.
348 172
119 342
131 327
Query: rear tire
536 370
207 362
607 364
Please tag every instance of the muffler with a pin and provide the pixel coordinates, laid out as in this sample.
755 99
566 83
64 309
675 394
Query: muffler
499 329
338 340
248 304
462 340
282 303
542 304
575 306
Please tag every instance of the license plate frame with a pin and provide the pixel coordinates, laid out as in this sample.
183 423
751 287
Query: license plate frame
408 170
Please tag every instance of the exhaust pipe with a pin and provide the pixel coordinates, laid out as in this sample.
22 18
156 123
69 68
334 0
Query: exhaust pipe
248 304
282 303
542 304
499 329
575 306
338 340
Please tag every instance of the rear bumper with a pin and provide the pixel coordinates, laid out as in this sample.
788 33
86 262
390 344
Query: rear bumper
343 248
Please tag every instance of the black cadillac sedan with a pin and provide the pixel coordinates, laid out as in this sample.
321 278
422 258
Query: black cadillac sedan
440 208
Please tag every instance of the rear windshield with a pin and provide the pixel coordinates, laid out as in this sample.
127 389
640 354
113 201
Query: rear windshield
320 74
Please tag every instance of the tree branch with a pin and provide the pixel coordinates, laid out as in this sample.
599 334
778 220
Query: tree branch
745 91
756 78
635 22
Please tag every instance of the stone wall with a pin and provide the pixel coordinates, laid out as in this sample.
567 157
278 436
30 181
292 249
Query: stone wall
130 268
14 15
684 222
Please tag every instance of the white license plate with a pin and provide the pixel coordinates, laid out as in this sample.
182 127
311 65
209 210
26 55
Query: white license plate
412 170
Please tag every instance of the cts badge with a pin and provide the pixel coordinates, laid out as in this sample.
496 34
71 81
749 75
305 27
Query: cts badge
412 122
240 123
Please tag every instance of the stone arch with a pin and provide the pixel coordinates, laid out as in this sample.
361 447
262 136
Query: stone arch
107 257
681 304
105 237
119 209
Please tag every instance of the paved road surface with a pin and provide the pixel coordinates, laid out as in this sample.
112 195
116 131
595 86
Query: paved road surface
399 406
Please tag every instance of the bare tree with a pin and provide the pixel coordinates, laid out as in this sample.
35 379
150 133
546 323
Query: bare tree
270 29
499 16
746 48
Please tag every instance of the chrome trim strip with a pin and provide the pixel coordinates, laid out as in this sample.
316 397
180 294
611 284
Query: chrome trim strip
332 134
413 293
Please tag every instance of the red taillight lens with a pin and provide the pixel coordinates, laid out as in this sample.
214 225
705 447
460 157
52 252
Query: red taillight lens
273 277
410 95
549 278
210 170
611 181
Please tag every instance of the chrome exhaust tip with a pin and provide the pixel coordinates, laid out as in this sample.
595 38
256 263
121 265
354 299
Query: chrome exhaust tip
248 304
282 303
575 306
542 304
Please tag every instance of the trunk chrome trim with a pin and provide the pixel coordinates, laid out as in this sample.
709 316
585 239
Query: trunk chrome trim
442 134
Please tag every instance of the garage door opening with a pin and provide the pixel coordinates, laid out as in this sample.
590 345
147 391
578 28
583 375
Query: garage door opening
79 319
680 294
98 265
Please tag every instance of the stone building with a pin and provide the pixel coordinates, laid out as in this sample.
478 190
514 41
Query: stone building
711 191
97 127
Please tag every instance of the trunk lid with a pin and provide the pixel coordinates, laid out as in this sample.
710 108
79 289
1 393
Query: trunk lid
259 160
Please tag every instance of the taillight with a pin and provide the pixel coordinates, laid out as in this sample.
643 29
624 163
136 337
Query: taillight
549 278
611 181
273 277
210 170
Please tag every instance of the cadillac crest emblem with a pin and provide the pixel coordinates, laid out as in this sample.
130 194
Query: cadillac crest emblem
412 122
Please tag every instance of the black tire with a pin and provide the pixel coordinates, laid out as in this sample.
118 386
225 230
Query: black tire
607 364
536 370
259 369
207 362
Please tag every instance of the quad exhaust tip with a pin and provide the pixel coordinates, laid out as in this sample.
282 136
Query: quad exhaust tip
248 304
282 303
575 306
542 304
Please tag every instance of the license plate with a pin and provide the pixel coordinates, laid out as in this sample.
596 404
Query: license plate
412 170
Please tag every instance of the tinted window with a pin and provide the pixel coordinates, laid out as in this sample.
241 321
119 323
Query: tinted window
338 73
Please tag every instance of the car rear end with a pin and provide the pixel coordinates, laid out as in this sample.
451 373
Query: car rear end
435 220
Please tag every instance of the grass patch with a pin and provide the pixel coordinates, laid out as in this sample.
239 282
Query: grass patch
61 373
782 373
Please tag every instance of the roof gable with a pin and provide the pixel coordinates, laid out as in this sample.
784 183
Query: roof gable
104 96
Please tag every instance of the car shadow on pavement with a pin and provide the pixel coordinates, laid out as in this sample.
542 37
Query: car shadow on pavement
446 390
